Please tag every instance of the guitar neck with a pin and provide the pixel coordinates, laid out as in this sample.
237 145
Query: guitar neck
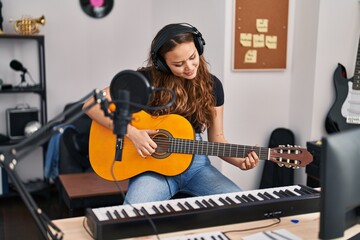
356 79
215 149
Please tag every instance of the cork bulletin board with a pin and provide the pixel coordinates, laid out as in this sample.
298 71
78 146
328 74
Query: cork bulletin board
260 34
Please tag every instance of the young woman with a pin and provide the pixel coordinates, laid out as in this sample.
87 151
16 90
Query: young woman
176 62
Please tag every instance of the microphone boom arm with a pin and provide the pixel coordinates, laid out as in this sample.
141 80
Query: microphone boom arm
9 156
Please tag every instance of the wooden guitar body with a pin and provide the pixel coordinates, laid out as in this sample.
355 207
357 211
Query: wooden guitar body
103 142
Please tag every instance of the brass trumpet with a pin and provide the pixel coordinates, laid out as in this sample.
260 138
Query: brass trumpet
28 26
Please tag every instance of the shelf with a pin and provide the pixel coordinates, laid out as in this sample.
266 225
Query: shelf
30 89
17 36
39 89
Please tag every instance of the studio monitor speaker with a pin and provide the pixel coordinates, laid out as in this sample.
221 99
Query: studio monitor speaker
16 120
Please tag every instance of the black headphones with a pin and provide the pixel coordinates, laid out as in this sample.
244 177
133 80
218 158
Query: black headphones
168 32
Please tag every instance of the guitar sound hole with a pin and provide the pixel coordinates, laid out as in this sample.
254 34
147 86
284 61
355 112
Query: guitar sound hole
163 141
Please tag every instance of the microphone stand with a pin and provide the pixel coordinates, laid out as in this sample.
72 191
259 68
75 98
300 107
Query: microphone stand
9 156
23 81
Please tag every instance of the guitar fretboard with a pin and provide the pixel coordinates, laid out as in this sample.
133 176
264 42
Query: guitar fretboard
215 149
356 80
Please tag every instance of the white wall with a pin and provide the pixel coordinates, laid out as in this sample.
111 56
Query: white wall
84 53
81 53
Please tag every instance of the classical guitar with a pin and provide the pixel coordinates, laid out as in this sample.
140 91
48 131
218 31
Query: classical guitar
176 146
345 111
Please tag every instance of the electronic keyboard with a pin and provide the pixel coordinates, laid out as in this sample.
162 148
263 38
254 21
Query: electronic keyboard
141 219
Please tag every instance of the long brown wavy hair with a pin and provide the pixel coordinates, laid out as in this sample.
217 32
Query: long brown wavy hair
194 98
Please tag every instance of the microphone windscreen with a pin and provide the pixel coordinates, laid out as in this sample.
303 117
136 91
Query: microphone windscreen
135 83
16 65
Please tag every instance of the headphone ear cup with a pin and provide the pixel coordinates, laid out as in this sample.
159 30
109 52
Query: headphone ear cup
199 44
161 65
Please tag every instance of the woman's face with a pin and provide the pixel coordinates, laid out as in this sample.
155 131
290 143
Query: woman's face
183 60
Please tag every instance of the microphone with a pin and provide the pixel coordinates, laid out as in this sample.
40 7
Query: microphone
127 88
17 66
121 119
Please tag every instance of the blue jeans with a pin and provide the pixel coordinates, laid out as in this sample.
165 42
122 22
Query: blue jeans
200 179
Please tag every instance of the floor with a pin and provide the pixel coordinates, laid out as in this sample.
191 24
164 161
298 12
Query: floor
16 222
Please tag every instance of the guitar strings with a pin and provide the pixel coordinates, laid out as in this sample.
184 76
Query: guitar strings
201 147
178 145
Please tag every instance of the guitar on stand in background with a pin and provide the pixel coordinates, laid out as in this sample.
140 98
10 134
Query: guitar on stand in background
345 112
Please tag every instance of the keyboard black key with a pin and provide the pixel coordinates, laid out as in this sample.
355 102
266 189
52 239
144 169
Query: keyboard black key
290 193
137 212
263 196
125 213
156 209
240 199
306 191
269 195
189 206
285 194
246 198
280 195
143 210
117 214
301 192
199 204
253 198
206 203
181 206
213 202
230 200
170 208
108 214
163 209
224 201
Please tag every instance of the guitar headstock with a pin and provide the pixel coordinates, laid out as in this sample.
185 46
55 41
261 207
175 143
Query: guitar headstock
290 156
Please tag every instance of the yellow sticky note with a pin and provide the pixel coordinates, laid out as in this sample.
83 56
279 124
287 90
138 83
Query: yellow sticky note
262 25
250 56
271 42
245 39
258 40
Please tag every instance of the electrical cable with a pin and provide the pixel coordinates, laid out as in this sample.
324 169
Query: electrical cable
31 78
150 108
255 228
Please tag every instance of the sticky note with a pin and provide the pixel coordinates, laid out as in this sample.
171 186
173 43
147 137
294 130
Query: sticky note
262 25
246 39
271 42
250 56
258 40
